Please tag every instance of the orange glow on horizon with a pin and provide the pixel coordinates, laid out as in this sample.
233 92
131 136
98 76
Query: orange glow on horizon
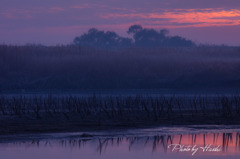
186 18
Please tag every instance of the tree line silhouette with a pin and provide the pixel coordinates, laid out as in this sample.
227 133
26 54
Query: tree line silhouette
141 37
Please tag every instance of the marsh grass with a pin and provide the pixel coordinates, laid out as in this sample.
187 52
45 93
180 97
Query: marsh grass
133 109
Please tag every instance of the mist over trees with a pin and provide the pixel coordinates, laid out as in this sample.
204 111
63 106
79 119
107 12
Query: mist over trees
149 59
153 38
102 39
74 68
141 37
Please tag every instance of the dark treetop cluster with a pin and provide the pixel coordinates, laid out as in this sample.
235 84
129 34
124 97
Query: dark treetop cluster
141 37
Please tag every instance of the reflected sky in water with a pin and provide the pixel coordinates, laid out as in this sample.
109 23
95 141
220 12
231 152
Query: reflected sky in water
123 145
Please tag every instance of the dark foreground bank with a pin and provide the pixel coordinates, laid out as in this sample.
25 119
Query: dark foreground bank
38 114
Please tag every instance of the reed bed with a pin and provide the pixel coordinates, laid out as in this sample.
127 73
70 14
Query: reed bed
111 110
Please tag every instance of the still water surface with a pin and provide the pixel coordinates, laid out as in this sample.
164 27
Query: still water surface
208 142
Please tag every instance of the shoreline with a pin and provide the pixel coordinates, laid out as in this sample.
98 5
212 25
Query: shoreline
140 132
43 126
40 114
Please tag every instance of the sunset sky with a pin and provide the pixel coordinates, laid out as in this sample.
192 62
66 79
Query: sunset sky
53 22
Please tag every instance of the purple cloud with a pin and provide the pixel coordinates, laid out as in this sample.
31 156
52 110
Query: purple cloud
59 21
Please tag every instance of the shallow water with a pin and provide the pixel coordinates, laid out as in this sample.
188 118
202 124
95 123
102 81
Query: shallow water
224 141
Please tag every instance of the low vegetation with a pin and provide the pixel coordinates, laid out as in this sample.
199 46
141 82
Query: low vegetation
48 113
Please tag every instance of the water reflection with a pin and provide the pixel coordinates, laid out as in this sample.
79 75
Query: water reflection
126 146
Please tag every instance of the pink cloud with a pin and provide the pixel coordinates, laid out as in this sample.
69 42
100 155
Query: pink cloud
76 17
16 14
190 17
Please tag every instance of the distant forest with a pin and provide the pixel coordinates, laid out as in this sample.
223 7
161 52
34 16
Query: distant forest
74 68
101 60
141 37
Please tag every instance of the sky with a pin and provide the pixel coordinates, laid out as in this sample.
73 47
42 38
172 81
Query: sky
52 22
